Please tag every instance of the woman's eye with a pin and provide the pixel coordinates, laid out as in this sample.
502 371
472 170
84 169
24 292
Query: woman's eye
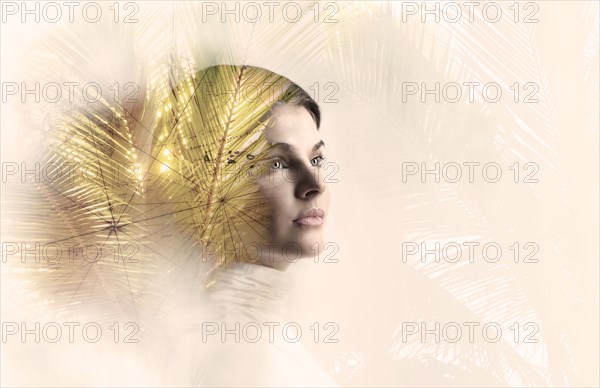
276 164
317 160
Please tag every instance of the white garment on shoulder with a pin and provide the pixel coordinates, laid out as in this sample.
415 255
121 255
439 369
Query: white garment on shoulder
236 339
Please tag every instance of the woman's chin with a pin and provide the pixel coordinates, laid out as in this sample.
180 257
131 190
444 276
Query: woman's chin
307 245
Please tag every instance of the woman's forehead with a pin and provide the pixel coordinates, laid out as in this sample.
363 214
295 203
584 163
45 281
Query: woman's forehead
293 125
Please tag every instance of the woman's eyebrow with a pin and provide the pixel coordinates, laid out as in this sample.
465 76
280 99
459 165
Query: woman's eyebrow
291 148
319 145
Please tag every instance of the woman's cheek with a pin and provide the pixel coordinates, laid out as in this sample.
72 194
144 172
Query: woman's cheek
278 208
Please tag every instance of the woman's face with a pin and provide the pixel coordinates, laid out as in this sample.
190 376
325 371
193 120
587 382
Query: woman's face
294 188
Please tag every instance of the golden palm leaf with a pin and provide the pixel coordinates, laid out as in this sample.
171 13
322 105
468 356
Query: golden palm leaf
209 148
191 169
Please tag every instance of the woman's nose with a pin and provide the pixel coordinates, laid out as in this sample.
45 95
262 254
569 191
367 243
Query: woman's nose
309 182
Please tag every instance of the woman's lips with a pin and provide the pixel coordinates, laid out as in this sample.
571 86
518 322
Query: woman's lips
309 221
312 216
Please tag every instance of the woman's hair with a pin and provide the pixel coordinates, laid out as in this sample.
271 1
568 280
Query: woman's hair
290 92
295 95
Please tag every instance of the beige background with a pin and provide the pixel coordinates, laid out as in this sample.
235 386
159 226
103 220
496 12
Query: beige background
370 132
